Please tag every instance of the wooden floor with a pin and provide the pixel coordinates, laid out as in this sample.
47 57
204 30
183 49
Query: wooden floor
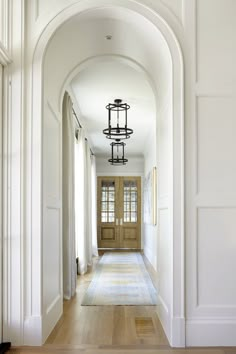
109 329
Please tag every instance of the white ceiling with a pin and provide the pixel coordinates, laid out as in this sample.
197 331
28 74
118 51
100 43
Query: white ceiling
99 84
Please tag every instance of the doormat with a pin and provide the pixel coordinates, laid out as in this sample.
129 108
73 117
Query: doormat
120 278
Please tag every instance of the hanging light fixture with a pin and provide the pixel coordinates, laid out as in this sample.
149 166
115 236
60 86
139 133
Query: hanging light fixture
118 153
117 112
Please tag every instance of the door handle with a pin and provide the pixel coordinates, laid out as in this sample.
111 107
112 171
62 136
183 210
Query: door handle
121 221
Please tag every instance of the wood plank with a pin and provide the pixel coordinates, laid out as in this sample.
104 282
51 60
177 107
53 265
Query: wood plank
117 350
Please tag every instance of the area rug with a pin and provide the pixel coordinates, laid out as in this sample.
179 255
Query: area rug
120 278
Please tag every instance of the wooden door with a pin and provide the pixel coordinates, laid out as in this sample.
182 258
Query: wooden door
107 208
130 212
119 212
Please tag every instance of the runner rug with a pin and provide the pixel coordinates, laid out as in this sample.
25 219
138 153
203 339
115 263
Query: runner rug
120 278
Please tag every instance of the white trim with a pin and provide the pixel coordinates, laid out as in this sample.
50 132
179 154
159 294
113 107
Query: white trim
51 317
13 268
211 332
33 330
178 330
164 316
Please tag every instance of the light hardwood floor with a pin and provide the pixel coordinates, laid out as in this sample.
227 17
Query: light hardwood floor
110 329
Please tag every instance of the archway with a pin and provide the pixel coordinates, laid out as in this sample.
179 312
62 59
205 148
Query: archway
171 312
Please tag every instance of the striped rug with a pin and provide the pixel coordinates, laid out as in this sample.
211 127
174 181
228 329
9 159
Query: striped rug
120 278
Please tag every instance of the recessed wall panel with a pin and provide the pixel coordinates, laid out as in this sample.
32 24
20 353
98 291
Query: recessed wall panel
52 160
216 147
216 45
216 249
51 256
165 256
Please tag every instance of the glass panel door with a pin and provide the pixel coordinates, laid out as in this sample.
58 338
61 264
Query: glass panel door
119 211
130 194
108 200
107 209
130 212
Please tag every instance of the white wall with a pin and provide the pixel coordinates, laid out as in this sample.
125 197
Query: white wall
52 219
134 166
150 234
165 219
158 243
12 225
211 174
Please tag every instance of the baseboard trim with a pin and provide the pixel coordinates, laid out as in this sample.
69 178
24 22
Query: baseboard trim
211 333
52 316
178 332
163 315
33 330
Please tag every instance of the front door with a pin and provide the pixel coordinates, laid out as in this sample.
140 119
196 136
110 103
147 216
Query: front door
119 212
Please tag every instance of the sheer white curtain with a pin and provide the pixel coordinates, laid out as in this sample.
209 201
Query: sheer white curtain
88 205
68 217
84 204
80 195
94 205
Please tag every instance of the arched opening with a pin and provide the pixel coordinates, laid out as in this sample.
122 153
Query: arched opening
163 62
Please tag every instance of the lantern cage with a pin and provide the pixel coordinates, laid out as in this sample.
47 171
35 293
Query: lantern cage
115 112
118 153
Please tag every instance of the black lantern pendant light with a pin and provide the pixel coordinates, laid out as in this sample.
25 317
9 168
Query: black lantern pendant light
118 153
117 113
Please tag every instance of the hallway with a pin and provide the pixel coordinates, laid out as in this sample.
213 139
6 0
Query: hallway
107 325
109 329
76 78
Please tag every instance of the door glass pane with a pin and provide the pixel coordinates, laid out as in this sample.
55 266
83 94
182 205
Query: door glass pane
126 217
108 201
130 201
111 206
104 206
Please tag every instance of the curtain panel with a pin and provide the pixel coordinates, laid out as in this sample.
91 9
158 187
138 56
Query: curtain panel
68 202
85 200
